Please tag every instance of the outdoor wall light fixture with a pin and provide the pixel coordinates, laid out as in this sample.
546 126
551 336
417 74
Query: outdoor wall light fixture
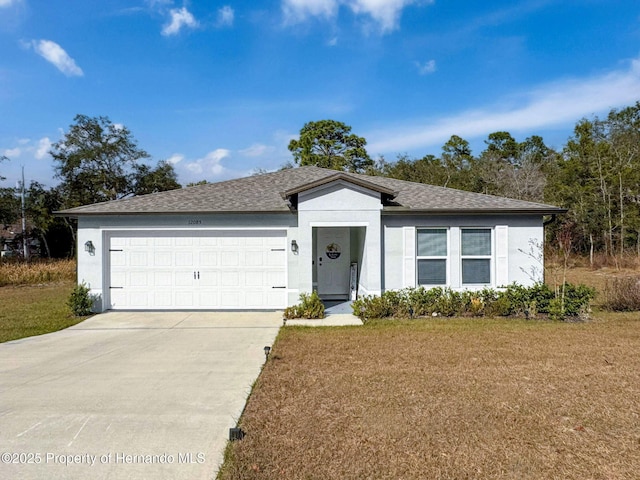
294 246
88 247
267 351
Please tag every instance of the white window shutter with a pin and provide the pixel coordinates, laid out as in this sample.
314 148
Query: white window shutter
502 255
409 257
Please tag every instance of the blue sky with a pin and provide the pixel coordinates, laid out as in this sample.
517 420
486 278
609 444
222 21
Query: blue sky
219 88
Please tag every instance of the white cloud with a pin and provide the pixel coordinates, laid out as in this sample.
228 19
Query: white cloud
55 54
159 3
256 150
8 3
553 104
211 163
426 68
42 150
180 17
386 13
175 158
12 152
225 16
300 10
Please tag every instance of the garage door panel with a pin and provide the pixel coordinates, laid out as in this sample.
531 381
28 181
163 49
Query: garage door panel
140 241
140 279
275 278
230 299
162 258
118 298
254 258
208 258
184 299
163 298
209 278
275 258
138 258
230 258
230 241
224 269
254 278
184 259
208 299
139 299
118 258
230 278
275 298
209 242
163 278
184 278
254 298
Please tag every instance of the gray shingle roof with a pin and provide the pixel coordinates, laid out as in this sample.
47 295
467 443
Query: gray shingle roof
262 194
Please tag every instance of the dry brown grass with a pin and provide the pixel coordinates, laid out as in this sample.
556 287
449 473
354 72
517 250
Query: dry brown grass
37 272
600 279
447 399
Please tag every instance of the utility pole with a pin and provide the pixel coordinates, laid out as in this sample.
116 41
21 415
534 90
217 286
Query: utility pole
25 247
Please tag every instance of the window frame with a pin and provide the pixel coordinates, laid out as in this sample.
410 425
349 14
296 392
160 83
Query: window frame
490 257
446 258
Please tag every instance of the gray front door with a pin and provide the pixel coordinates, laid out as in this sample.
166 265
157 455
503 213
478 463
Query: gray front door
333 261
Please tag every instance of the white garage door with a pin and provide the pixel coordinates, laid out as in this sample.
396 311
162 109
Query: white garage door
206 270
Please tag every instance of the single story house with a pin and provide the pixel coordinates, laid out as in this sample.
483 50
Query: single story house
259 242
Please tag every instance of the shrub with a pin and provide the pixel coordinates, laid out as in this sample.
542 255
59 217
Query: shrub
80 301
515 300
577 299
622 294
310 306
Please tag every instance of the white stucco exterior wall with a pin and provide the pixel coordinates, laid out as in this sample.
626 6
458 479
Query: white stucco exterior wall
522 262
341 204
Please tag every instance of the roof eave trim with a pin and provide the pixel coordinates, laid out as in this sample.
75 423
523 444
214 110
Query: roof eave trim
69 214
474 211
333 178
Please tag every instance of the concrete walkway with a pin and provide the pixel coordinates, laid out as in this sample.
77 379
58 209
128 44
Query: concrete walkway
337 314
129 395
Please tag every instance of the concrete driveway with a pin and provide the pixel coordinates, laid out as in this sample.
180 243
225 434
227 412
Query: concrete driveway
129 395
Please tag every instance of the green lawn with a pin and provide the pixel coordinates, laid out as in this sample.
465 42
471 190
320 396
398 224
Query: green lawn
34 310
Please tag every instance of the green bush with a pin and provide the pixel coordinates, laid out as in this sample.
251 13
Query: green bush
515 300
310 306
80 301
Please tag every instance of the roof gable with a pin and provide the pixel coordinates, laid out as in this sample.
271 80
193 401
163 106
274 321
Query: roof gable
364 183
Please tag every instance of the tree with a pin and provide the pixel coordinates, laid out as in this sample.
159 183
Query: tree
503 146
97 161
40 205
152 180
2 159
330 144
9 204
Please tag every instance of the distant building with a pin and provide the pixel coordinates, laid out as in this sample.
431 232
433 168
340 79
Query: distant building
11 242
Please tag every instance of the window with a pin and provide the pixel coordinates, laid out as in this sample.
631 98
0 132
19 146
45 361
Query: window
476 256
432 256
